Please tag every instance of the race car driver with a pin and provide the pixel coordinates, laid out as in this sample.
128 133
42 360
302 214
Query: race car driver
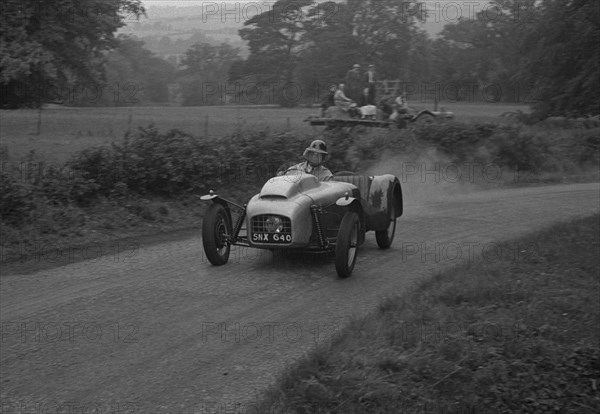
315 155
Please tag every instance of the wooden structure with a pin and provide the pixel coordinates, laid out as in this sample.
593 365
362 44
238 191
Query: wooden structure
331 123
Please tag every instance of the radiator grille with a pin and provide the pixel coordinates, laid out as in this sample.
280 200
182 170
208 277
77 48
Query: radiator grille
264 224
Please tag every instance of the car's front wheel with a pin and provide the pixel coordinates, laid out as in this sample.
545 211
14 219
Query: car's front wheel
216 228
386 237
346 247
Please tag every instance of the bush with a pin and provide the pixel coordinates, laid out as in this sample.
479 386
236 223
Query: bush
148 163
518 150
98 164
454 139
587 147
17 202
176 164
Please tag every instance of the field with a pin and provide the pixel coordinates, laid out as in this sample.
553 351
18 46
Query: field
65 130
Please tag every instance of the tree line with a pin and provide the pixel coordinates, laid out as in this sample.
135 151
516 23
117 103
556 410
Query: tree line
539 52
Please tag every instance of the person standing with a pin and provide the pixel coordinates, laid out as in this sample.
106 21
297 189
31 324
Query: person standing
370 79
353 83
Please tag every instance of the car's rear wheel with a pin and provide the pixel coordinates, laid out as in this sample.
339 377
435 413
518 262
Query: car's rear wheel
386 237
346 248
216 228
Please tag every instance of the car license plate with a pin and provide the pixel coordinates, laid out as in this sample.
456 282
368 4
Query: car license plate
276 238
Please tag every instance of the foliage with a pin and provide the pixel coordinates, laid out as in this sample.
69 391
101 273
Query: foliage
316 44
331 48
562 58
544 53
49 46
132 75
275 40
174 164
454 139
481 55
150 74
385 29
204 73
16 202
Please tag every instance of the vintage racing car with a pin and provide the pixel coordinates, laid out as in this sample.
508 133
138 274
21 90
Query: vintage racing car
295 211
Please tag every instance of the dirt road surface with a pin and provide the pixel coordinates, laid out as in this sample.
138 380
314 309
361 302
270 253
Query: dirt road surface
159 330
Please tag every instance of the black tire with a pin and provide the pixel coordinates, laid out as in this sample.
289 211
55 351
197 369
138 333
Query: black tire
346 247
216 227
386 237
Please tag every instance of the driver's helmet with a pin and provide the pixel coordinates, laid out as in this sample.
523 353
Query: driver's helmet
316 153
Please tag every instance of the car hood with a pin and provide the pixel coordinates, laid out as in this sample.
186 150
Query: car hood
295 186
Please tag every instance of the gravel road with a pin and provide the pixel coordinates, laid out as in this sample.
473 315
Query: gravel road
159 330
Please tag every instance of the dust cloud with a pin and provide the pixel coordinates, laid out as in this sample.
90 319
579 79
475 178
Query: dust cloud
429 177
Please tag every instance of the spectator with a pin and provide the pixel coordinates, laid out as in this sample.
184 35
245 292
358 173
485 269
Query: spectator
370 81
341 100
364 99
329 100
353 83
386 104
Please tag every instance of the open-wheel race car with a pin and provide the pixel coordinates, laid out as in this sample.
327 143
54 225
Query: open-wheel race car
296 211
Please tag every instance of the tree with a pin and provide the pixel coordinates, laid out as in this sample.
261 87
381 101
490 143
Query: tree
134 75
545 52
204 73
275 40
51 45
563 58
331 48
340 34
479 57
212 62
385 30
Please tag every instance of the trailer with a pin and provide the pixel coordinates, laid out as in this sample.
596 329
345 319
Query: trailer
421 117
351 123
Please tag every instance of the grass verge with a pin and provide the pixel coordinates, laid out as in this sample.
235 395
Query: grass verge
108 228
517 335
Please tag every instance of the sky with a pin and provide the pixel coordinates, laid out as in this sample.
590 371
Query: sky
439 12
191 2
